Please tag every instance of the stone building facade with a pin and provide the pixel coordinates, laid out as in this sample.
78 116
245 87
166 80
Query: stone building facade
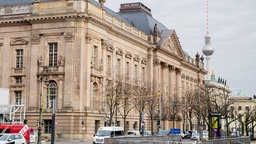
82 43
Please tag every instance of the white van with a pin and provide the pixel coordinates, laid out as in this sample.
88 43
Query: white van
107 132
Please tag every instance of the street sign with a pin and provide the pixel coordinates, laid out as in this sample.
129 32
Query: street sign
174 131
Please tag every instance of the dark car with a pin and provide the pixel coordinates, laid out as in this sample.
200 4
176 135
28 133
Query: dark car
188 134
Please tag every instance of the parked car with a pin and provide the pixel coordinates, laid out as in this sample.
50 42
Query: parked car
12 138
162 133
107 132
133 133
188 134
195 136
147 133
182 134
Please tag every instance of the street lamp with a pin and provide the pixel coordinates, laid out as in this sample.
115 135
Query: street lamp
174 106
46 81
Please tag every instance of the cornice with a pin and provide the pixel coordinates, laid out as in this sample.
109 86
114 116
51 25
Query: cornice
39 18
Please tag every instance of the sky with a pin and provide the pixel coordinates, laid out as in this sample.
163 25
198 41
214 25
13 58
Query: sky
232 27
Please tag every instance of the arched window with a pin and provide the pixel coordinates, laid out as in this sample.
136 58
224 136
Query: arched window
52 93
95 95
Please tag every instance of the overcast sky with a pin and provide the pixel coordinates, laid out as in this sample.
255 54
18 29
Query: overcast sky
232 27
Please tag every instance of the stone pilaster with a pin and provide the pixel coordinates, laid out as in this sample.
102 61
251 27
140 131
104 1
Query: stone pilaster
156 73
178 82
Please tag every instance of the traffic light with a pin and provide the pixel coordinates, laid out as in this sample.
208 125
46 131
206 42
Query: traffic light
82 122
158 122
25 121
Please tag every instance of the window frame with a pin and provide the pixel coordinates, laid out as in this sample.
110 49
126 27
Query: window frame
19 58
53 53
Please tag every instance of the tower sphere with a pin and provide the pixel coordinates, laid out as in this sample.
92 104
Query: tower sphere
208 50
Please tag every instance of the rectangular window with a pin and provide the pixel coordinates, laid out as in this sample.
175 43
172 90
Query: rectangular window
136 72
239 108
47 126
127 69
247 108
18 80
19 58
143 74
95 56
109 64
53 54
18 97
118 66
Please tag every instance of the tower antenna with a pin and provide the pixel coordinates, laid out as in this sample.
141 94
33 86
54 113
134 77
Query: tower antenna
207 49
207 18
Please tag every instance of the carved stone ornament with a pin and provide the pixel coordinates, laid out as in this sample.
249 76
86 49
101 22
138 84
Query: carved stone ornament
144 61
164 65
136 58
183 76
69 36
110 48
171 68
35 39
19 41
101 65
102 2
40 61
104 44
120 52
156 62
178 71
61 60
128 55
88 38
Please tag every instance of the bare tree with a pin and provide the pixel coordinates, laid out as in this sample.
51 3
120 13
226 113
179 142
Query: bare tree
110 100
151 107
124 95
142 92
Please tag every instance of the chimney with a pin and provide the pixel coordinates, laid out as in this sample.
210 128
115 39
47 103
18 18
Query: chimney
134 7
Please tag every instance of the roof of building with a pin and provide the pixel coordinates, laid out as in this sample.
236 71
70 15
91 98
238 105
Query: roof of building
15 2
142 21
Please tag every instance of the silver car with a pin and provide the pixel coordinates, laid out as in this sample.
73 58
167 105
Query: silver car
11 138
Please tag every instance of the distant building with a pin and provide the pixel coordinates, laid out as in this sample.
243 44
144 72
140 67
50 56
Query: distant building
242 105
83 44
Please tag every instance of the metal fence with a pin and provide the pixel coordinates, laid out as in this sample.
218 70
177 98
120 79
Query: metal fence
173 140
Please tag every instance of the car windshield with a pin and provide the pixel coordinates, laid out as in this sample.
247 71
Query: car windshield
131 133
103 133
4 137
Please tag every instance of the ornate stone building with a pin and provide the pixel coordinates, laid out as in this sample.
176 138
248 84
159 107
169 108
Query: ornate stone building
82 43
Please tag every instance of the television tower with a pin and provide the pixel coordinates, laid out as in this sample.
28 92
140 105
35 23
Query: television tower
207 49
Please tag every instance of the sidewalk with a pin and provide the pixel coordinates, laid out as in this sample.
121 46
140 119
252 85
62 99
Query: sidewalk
66 141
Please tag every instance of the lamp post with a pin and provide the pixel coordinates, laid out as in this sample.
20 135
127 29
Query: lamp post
174 106
44 72
53 121
160 110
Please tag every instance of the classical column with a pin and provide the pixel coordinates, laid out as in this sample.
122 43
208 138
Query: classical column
164 78
70 79
150 66
156 73
178 83
60 94
88 54
37 59
172 80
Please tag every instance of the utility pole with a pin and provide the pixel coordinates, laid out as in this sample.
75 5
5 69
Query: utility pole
160 109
